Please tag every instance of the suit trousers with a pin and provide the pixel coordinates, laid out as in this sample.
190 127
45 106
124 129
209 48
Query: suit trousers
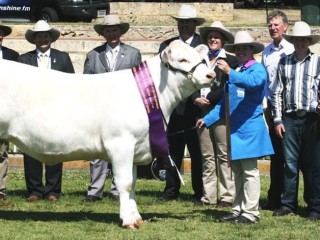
33 170
218 184
4 162
177 144
276 170
247 183
99 172
314 206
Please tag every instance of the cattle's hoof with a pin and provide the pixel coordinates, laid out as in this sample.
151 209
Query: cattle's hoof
140 221
131 226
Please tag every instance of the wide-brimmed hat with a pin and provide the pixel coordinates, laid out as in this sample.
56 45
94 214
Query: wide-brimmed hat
216 26
5 29
111 20
302 29
244 38
42 26
189 12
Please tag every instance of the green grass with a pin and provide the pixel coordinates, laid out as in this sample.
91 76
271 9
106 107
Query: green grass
70 218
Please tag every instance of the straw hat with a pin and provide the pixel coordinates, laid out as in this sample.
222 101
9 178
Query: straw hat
244 38
5 29
302 29
42 26
216 26
111 20
188 12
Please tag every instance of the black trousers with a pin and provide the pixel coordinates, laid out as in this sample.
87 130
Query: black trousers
276 170
33 170
177 144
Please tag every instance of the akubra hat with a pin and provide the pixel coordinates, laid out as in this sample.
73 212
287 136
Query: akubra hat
302 29
5 29
216 26
42 26
244 38
188 12
111 20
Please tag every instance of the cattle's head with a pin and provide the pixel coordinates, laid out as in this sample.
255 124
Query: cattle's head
181 58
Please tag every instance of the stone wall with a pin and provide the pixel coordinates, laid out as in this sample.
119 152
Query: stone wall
147 30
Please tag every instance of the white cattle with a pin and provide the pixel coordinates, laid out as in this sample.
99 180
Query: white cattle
55 116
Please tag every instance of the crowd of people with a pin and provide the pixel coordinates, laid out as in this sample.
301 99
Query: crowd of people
253 109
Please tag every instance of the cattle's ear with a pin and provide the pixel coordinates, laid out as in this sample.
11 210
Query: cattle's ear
165 54
202 50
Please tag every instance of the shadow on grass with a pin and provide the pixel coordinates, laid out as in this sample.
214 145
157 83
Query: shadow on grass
49 216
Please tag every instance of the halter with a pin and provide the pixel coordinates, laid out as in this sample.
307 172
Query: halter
188 73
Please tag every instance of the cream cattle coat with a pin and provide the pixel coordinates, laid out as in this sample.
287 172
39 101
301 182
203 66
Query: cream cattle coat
55 116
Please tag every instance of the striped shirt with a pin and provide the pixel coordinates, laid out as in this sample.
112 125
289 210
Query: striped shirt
296 85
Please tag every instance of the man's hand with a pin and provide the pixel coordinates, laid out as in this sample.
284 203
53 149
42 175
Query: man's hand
279 130
201 102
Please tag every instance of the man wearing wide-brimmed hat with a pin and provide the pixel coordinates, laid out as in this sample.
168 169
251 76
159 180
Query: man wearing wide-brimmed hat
184 117
8 54
249 135
42 36
218 185
295 109
113 55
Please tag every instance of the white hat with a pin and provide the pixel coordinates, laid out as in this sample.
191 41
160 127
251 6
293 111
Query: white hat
302 29
42 26
189 12
111 20
216 26
244 38
5 29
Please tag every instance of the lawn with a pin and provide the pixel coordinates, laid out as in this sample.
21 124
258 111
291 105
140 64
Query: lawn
71 219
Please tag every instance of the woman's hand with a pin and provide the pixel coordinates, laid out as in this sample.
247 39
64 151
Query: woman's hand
224 66
200 123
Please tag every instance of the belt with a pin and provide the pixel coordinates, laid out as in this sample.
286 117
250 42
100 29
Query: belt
300 113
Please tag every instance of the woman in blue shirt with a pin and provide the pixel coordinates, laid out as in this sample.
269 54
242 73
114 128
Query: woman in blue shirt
248 130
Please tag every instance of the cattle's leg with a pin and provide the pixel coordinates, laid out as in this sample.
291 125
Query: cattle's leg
122 167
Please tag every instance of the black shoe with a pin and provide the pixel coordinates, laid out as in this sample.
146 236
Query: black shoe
115 197
243 220
165 198
199 203
283 211
270 206
313 218
224 204
228 218
91 198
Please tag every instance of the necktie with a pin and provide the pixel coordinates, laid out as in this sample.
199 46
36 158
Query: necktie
43 61
112 55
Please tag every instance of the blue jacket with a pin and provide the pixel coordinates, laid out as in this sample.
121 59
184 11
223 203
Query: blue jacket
249 134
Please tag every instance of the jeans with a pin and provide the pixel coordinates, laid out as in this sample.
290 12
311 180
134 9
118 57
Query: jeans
295 142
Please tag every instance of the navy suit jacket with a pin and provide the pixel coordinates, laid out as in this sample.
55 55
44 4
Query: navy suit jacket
60 61
9 54
195 42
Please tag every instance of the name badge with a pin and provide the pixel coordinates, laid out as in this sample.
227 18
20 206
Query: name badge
240 93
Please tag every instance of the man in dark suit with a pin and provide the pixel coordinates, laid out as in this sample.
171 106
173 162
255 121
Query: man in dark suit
113 55
8 54
42 35
183 117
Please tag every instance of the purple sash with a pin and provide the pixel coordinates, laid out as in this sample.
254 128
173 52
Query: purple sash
157 134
